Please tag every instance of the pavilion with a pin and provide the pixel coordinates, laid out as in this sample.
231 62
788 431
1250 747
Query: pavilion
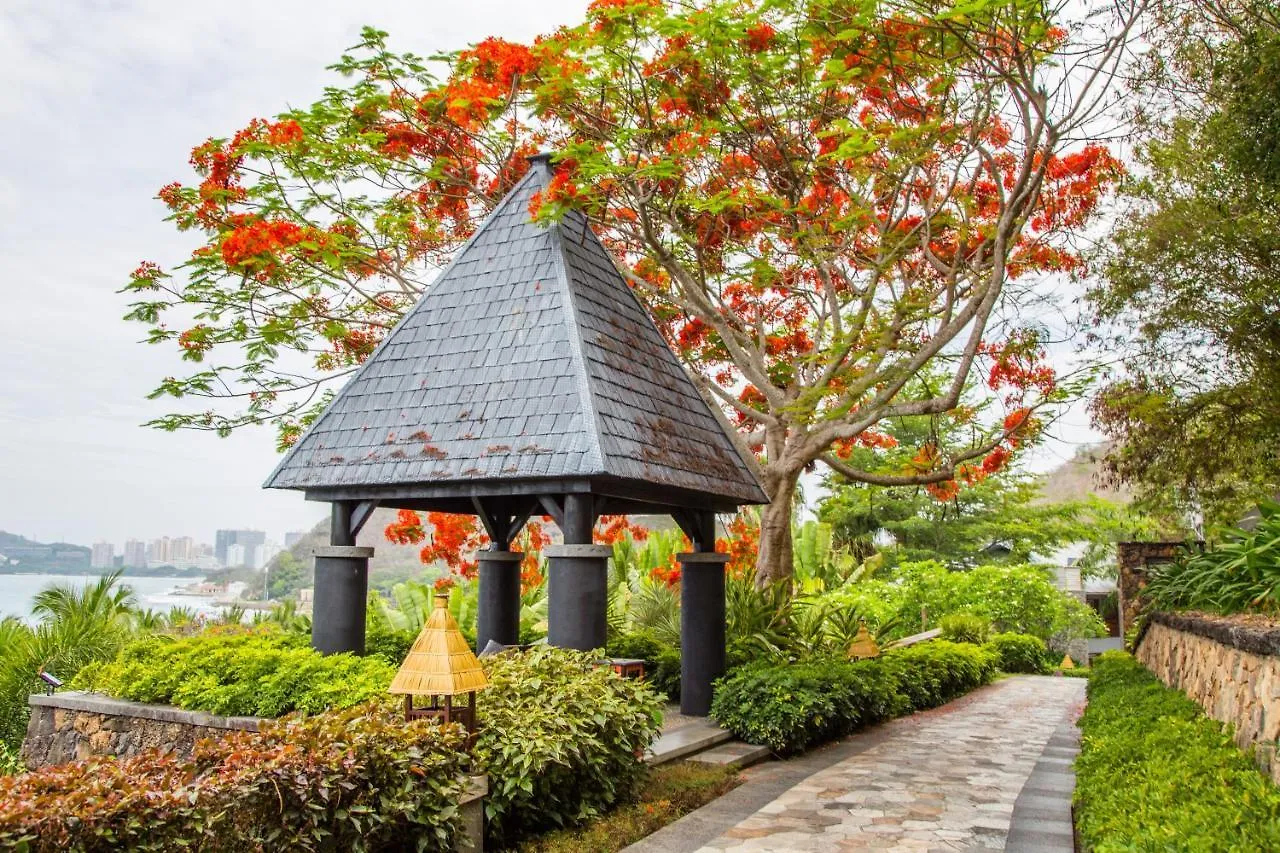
527 381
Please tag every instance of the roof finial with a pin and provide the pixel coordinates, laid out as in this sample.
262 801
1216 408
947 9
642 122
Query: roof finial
542 158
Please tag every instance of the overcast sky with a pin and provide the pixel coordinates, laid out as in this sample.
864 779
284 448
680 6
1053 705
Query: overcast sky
100 104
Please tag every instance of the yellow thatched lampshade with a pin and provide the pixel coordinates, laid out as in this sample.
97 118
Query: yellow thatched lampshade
440 663
864 645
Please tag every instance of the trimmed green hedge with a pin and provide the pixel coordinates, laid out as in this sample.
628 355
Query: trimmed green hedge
360 779
1155 774
791 707
258 673
1020 653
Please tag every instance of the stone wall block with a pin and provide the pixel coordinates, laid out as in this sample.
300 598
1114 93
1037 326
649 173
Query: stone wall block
1230 671
69 726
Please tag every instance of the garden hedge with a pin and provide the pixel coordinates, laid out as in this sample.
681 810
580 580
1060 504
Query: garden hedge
562 739
359 779
791 707
257 673
1155 774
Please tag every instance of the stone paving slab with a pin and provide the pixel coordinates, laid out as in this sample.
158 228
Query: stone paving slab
947 779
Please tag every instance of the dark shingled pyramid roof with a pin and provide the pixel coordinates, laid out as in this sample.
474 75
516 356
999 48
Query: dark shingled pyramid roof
529 359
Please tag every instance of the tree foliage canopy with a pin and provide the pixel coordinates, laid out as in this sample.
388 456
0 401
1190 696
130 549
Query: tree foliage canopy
1191 274
815 199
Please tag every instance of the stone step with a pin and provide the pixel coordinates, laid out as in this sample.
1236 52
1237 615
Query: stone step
733 754
685 741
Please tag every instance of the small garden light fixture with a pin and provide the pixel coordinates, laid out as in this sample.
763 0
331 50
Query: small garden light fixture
52 682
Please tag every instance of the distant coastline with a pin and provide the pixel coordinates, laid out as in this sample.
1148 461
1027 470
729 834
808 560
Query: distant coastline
159 572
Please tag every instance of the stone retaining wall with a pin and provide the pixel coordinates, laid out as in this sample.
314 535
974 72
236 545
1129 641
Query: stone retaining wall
1231 670
67 726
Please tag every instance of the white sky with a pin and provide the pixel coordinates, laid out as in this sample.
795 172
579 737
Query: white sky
100 104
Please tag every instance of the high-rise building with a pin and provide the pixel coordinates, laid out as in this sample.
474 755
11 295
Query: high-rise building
236 556
103 556
182 549
135 554
293 537
226 538
160 552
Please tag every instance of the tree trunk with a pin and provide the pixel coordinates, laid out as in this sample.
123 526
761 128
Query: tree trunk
774 560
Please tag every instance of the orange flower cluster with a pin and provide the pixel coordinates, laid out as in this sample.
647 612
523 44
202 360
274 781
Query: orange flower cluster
742 544
259 240
760 37
614 528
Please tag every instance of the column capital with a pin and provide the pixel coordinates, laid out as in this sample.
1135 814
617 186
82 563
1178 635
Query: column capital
703 557
355 551
485 556
579 551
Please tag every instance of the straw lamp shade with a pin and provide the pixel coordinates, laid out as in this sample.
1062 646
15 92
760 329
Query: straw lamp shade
441 665
864 645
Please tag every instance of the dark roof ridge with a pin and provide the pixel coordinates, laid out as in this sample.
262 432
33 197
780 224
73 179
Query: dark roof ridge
576 344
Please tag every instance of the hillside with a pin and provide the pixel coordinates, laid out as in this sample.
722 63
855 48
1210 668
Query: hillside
18 553
1080 476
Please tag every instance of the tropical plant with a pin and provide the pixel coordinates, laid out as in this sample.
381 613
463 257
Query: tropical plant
76 627
1239 573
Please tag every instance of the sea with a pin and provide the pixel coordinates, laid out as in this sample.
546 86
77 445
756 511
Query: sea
17 592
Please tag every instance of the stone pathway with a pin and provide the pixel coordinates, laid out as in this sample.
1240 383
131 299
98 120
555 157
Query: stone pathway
946 779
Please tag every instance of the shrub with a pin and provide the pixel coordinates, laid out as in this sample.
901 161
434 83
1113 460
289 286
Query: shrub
965 628
261 673
1156 774
10 761
388 643
792 707
932 674
1020 653
662 662
360 779
1021 599
562 739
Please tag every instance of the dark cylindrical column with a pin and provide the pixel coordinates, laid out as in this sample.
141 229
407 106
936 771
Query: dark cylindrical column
498 615
577 588
702 618
341 595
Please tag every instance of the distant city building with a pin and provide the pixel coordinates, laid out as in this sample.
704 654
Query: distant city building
265 553
103 556
183 549
248 539
293 537
235 556
160 552
135 554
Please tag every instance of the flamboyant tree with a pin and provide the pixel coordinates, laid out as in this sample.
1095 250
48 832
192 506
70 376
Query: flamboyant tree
816 199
